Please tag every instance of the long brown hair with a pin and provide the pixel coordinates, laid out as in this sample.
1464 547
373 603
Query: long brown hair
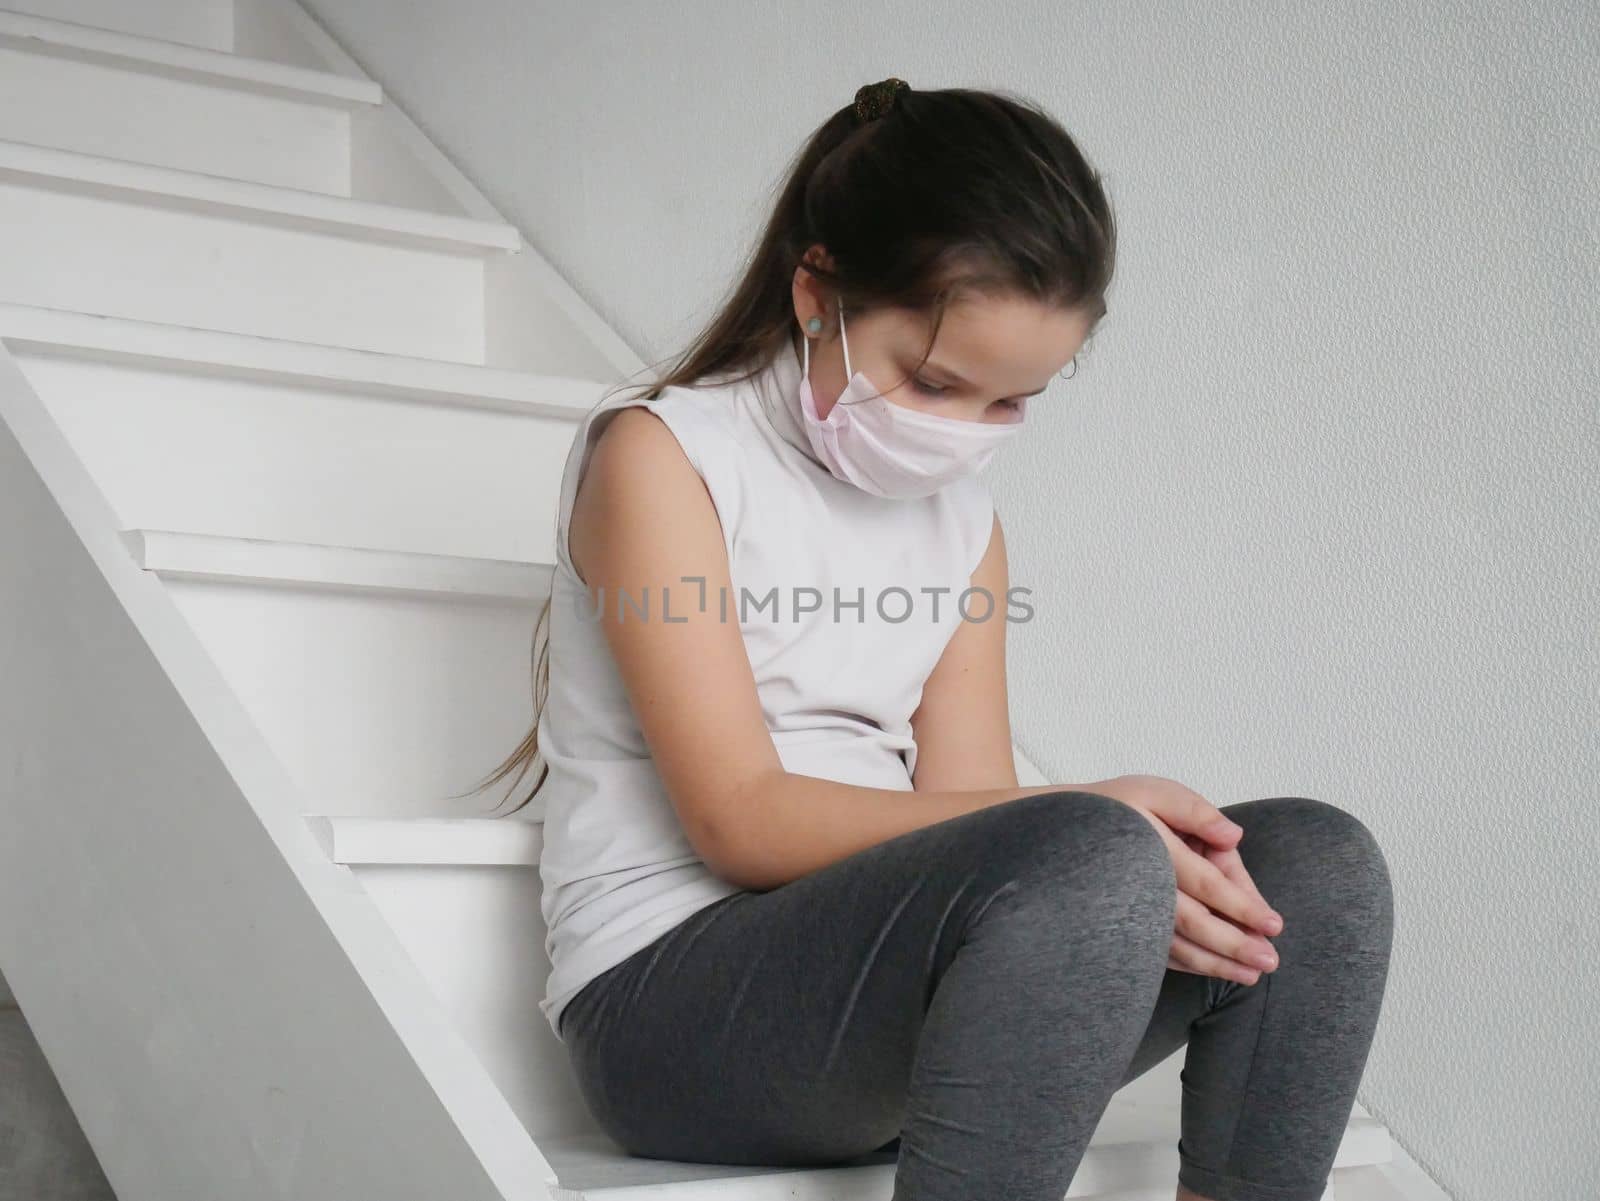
919 197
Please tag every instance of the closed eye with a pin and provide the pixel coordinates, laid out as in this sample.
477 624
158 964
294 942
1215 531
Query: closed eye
939 390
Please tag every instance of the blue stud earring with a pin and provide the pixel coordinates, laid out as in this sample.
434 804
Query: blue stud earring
814 325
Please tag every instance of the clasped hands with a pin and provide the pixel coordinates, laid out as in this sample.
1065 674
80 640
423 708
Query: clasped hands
1222 921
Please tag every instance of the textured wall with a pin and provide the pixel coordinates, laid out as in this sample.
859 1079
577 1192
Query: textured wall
1319 513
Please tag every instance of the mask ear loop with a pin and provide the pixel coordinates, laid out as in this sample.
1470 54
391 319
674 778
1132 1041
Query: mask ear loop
847 372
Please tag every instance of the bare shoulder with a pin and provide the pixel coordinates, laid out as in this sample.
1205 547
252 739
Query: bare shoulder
629 433
637 475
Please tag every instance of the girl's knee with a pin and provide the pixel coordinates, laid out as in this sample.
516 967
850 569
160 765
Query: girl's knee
1326 853
1074 850
1342 839
1073 821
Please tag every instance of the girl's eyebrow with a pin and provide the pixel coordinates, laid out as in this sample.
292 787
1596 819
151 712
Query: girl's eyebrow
966 383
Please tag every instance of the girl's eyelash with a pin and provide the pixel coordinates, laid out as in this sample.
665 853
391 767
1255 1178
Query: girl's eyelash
928 389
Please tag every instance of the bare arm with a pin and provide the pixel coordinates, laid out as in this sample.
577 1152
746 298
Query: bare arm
963 723
642 519
795 825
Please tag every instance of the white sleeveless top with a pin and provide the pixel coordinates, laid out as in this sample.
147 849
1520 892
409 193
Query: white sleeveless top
837 685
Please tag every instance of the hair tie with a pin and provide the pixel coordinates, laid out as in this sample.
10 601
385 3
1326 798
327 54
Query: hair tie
873 100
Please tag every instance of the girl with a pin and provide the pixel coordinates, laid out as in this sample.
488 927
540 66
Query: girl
799 907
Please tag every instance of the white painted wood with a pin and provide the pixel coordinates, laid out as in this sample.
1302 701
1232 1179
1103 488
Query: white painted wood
228 1012
62 101
44 36
72 172
273 29
427 842
321 462
404 563
536 319
379 701
593 1167
432 476
158 103
180 555
204 23
70 243
399 150
383 167
1120 1164
1367 1184
1401 1179
476 934
180 349
537 322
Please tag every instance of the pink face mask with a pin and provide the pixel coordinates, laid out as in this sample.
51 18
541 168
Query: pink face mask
888 449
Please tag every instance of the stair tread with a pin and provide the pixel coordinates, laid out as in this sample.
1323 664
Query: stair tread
155 54
196 554
509 840
147 181
592 1166
188 347
1370 1182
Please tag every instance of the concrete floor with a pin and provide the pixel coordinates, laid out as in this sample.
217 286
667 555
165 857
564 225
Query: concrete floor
43 1153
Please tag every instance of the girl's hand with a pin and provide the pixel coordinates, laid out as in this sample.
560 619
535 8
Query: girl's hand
1213 885
1198 958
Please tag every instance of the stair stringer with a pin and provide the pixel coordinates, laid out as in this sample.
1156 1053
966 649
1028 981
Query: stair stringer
227 1011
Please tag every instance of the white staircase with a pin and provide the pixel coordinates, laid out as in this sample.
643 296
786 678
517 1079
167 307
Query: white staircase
283 409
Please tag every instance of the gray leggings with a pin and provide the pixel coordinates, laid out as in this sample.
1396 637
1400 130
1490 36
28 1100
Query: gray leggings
970 995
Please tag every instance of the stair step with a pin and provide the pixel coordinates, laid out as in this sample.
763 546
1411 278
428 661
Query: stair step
91 234
390 679
205 24
1367 1183
186 349
460 841
269 440
179 554
590 1167
507 840
146 183
73 88
159 56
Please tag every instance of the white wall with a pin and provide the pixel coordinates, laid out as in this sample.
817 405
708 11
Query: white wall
1318 515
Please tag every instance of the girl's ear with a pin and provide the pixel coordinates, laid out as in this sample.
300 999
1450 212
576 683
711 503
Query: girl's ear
810 294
